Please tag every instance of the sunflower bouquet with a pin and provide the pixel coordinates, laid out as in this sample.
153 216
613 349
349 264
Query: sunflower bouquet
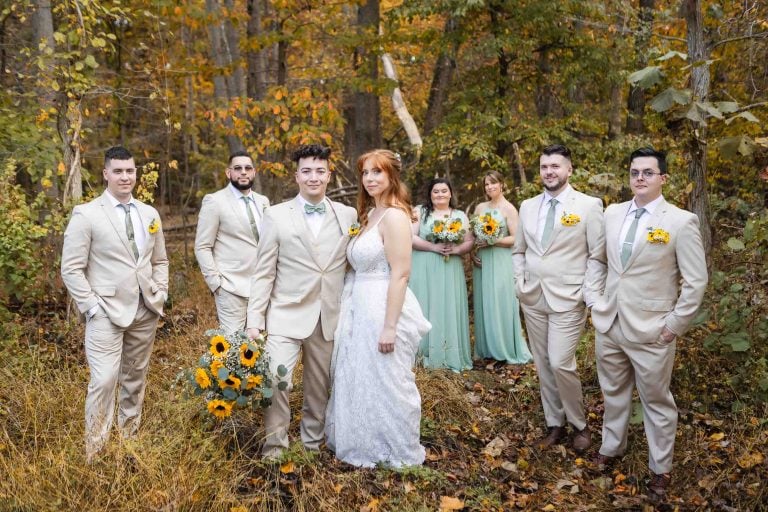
234 372
449 230
487 227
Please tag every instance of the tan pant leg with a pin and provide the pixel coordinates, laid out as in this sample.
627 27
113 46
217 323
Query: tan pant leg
617 381
103 350
554 338
138 340
231 310
277 417
316 357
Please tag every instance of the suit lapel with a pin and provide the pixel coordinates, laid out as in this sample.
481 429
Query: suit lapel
302 229
147 217
642 241
568 207
532 220
117 224
613 232
337 225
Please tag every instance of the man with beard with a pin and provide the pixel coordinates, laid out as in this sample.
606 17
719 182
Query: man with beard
559 261
228 232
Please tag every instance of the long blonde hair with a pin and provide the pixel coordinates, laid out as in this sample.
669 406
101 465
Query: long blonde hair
396 196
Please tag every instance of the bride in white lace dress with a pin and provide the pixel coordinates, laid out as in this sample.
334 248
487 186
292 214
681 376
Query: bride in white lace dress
374 412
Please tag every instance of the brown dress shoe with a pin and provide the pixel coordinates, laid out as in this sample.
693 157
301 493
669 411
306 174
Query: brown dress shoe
582 440
657 487
556 435
602 463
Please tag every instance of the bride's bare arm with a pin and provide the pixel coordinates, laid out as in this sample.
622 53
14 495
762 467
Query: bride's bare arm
396 231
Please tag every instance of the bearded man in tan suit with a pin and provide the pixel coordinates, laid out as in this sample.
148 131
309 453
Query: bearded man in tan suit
227 239
295 294
559 258
657 275
115 267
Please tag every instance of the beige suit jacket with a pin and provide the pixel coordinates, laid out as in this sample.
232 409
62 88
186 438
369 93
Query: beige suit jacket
98 267
299 277
224 245
571 268
663 284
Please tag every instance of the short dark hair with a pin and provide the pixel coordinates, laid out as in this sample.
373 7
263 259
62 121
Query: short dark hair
557 149
116 153
239 152
311 151
660 156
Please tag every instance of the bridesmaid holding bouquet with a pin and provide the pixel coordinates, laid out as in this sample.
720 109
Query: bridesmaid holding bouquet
441 236
498 333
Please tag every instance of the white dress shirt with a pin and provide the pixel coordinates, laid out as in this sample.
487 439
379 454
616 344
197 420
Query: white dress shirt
642 222
238 194
314 219
544 209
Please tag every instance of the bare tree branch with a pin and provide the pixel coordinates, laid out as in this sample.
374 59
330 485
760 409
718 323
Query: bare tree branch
759 35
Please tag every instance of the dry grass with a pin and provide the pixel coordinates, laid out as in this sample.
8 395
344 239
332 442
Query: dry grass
182 460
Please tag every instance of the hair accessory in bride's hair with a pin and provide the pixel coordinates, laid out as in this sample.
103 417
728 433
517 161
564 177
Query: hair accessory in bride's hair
397 157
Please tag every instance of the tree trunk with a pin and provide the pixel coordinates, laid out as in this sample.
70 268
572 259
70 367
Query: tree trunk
362 109
442 78
614 116
225 54
546 100
636 99
698 51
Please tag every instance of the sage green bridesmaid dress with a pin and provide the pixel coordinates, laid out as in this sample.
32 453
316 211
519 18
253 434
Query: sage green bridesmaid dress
498 332
441 290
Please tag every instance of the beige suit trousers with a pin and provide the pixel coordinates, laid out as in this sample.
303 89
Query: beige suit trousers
622 365
116 356
553 338
316 357
231 310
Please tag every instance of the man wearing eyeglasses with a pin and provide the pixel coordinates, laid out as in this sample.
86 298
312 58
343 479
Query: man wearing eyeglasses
656 279
295 295
227 240
115 267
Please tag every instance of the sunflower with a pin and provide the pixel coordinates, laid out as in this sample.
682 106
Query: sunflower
216 365
230 382
219 346
153 227
202 379
490 226
454 226
220 408
438 226
248 357
253 381
354 229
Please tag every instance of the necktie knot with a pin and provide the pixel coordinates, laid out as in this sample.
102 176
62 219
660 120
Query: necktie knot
639 212
314 208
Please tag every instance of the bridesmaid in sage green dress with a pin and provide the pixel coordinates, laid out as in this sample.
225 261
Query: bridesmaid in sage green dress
498 333
437 280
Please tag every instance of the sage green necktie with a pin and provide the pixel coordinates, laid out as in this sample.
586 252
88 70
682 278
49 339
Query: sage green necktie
129 230
251 218
549 225
629 240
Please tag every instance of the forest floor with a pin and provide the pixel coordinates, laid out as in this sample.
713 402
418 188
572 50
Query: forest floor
479 428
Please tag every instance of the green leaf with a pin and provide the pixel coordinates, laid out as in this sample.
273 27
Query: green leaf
727 107
736 287
222 374
637 413
668 98
282 386
672 54
750 229
229 394
267 392
749 116
646 77
282 371
98 42
694 114
91 62
701 317
735 244
711 109
738 145
242 401
738 341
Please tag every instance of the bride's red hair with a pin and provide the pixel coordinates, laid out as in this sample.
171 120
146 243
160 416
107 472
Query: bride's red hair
396 196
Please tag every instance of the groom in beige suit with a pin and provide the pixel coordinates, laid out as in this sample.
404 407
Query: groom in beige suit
115 268
227 239
295 293
559 259
657 275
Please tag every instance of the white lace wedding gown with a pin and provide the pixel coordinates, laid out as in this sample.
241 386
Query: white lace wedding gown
374 411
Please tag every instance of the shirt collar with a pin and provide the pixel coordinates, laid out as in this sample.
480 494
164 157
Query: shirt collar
113 200
650 207
238 193
561 197
304 201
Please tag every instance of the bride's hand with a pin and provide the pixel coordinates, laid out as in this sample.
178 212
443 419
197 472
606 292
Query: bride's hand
253 333
387 342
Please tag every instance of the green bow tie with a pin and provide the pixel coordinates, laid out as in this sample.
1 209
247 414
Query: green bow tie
314 208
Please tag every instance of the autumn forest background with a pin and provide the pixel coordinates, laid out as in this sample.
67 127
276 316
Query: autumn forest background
458 88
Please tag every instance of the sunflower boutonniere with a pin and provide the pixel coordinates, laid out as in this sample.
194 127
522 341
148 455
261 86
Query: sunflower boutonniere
354 229
154 227
658 236
569 219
